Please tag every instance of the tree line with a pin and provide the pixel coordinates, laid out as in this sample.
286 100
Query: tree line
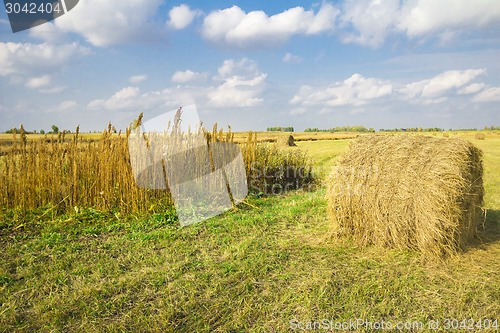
342 129
280 129
54 130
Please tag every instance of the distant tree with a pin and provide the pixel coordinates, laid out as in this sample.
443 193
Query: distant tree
280 129
13 130
42 131
55 129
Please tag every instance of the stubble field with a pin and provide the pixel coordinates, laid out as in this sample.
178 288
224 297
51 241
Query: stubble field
268 266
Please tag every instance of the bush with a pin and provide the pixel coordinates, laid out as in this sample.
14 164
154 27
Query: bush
278 170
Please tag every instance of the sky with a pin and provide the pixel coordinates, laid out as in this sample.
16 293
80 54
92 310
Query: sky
256 64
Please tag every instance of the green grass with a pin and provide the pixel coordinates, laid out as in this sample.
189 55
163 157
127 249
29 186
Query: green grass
249 270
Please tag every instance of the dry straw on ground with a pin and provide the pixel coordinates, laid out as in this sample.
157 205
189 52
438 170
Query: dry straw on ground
408 192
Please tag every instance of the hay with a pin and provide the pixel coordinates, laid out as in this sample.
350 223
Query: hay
287 140
480 136
408 192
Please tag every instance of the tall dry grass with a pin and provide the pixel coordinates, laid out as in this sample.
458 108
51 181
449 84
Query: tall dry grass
65 171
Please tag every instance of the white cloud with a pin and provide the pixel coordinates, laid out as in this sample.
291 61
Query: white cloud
292 58
233 27
187 76
243 69
296 111
237 84
96 103
358 91
355 91
449 80
53 90
181 16
108 22
427 16
471 88
48 32
66 105
370 20
488 95
38 82
122 99
236 92
432 90
242 84
131 99
136 79
19 58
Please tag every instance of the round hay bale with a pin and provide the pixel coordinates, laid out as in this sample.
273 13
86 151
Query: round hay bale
480 136
287 140
408 192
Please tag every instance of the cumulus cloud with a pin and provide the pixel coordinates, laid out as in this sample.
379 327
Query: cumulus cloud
236 28
122 99
355 91
108 22
471 88
131 99
369 22
19 58
181 16
136 79
241 86
38 82
364 22
425 16
66 106
432 90
48 32
488 95
292 58
187 76
238 83
358 91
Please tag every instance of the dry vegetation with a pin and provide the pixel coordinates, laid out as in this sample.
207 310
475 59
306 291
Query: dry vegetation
66 171
408 191
298 136
253 269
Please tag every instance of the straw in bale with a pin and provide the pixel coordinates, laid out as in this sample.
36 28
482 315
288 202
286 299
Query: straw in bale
408 192
287 140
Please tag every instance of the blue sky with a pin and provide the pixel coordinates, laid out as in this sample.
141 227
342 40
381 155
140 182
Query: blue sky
256 64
